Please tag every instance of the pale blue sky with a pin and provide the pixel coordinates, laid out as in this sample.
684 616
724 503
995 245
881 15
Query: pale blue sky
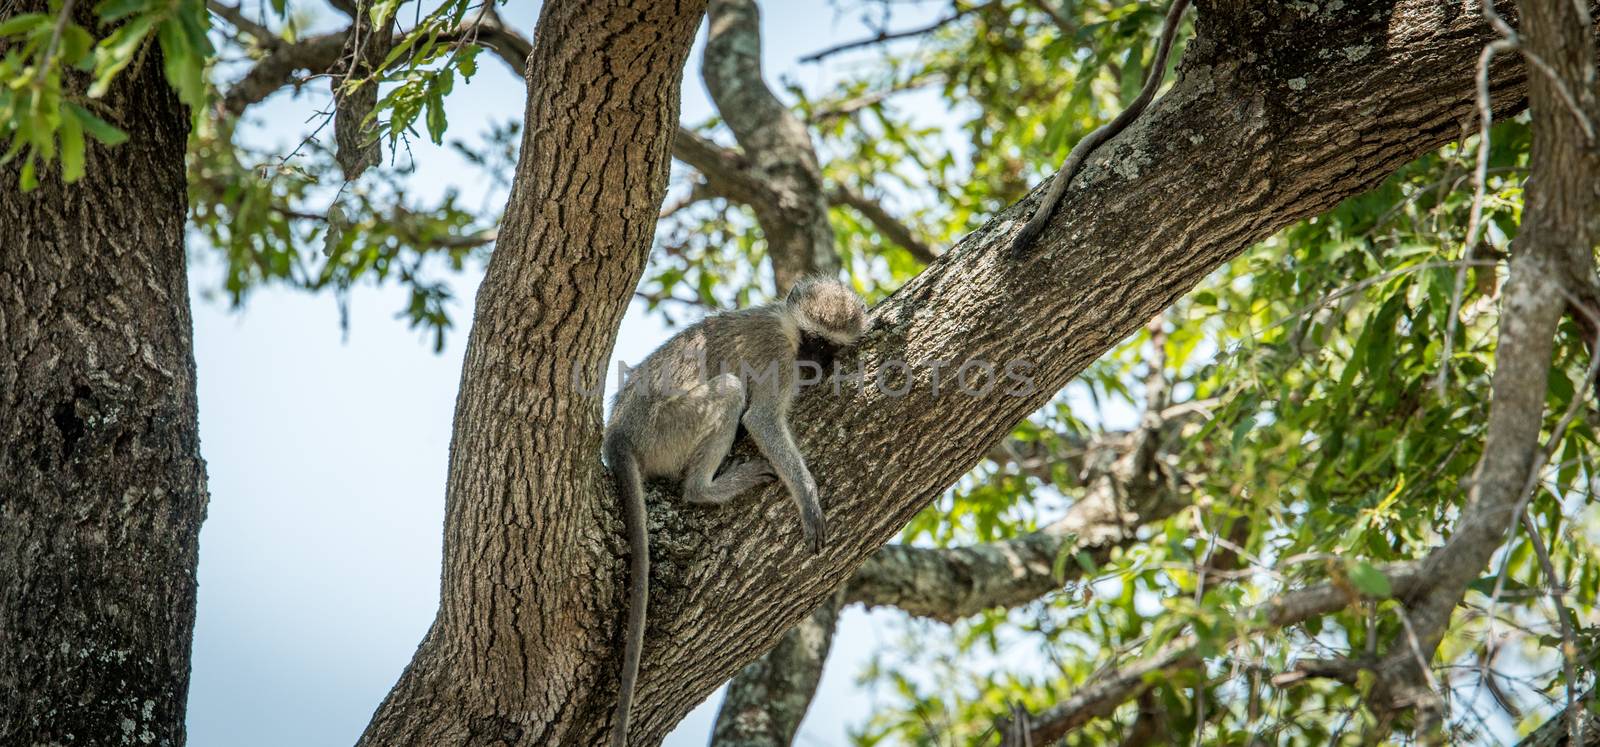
319 559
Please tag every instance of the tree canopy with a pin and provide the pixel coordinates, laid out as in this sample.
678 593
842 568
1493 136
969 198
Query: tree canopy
1330 308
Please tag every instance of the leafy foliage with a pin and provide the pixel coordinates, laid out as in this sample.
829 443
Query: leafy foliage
44 120
1324 446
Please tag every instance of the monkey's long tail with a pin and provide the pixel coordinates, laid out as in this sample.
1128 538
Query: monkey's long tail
1081 151
631 487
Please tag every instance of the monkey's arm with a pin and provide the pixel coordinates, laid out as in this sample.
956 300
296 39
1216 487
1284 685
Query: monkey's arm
768 427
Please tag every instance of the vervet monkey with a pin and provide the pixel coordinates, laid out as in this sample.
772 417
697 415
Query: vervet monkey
676 416
1086 146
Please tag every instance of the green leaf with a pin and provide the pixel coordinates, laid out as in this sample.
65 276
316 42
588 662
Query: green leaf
184 68
114 10
20 25
1241 430
76 44
436 117
29 180
97 128
1371 581
72 149
117 51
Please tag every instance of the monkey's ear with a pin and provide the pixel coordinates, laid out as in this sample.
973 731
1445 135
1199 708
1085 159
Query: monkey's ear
799 290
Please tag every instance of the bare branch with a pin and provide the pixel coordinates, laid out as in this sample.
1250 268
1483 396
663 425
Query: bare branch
883 37
317 54
726 171
1105 693
262 35
886 224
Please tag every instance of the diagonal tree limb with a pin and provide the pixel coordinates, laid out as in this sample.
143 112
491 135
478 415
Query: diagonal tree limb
777 144
533 567
888 225
1553 255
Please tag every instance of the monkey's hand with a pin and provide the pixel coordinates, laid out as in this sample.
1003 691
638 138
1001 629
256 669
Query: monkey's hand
812 523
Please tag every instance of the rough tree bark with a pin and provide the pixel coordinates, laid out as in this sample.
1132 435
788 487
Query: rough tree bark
1260 130
795 223
530 600
102 489
1279 113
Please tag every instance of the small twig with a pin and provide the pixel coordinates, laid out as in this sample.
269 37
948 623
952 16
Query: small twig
55 40
1479 178
1569 636
889 36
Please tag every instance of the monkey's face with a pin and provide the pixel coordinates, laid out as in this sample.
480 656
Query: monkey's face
828 311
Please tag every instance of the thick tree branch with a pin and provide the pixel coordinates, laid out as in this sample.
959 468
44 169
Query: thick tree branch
1234 152
523 650
888 225
768 699
775 141
1553 257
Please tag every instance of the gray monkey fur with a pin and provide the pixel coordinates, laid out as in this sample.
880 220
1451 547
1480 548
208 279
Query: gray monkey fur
677 414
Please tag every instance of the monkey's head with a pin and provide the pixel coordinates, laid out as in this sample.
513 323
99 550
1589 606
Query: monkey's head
828 310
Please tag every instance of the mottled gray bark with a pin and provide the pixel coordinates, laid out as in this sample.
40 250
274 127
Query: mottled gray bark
102 489
767 700
795 224
1551 261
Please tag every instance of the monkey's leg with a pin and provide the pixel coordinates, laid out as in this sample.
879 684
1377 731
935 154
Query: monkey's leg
722 402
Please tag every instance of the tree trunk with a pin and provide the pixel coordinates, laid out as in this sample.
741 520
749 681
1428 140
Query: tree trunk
525 648
1279 113
102 489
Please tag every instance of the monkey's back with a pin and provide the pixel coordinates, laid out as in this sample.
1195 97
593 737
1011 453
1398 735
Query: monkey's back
758 345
